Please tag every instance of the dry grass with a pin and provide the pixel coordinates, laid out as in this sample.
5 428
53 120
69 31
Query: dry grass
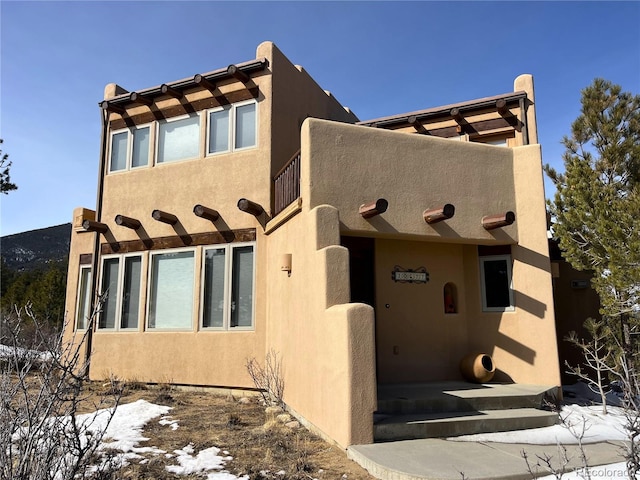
261 446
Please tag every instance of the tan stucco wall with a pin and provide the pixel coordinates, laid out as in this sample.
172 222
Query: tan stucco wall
352 165
81 243
296 96
524 83
522 342
326 345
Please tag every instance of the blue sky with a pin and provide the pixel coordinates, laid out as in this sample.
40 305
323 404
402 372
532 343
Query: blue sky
378 58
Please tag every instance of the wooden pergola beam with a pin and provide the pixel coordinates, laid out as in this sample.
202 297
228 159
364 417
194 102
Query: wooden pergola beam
460 120
368 210
167 90
248 206
415 123
93 226
110 107
235 72
204 83
128 222
135 97
435 215
204 212
164 217
501 106
490 222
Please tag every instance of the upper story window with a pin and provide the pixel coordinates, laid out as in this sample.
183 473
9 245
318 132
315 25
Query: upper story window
178 139
229 128
129 149
232 127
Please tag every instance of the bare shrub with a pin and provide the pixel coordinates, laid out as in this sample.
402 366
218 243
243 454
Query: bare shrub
41 394
268 379
598 357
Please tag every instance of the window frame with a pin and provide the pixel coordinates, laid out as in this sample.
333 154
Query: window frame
149 277
120 291
232 128
79 296
166 121
129 155
228 287
508 259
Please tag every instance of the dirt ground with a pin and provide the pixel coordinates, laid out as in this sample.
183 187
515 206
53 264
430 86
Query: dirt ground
261 445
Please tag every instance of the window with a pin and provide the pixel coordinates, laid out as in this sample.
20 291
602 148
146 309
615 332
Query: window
129 149
232 127
228 283
171 290
179 139
121 283
495 272
83 308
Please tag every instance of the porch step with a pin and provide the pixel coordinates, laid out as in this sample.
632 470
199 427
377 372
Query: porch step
454 396
450 424
449 409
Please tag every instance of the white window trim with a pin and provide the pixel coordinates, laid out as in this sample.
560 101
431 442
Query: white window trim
508 259
228 266
121 265
150 284
129 158
156 142
79 296
231 140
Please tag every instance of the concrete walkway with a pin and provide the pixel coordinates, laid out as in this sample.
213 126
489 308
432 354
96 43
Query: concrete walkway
438 459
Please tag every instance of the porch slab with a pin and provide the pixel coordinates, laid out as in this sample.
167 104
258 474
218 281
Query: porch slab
438 459
450 424
457 396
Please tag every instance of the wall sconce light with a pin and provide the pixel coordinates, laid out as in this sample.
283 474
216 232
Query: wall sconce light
285 263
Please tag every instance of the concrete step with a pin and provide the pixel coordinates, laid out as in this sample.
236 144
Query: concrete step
458 397
450 424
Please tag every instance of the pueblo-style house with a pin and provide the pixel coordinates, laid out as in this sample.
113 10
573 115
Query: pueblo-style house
245 210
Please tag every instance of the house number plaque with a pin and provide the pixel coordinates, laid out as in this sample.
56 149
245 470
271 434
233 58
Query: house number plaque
418 275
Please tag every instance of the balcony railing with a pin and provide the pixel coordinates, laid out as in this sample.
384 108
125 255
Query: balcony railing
287 184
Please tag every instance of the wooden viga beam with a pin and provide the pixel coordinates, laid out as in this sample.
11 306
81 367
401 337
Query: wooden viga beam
501 106
93 226
204 83
368 210
135 97
490 222
110 107
415 123
248 206
235 72
128 222
457 115
204 212
164 217
435 215
167 90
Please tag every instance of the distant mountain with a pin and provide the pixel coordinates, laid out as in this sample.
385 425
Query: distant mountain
36 248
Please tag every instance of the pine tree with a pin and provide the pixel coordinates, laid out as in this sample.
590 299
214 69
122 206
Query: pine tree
5 180
597 200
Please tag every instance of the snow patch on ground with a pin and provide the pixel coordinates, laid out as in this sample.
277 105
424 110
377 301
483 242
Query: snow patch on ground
124 432
205 461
